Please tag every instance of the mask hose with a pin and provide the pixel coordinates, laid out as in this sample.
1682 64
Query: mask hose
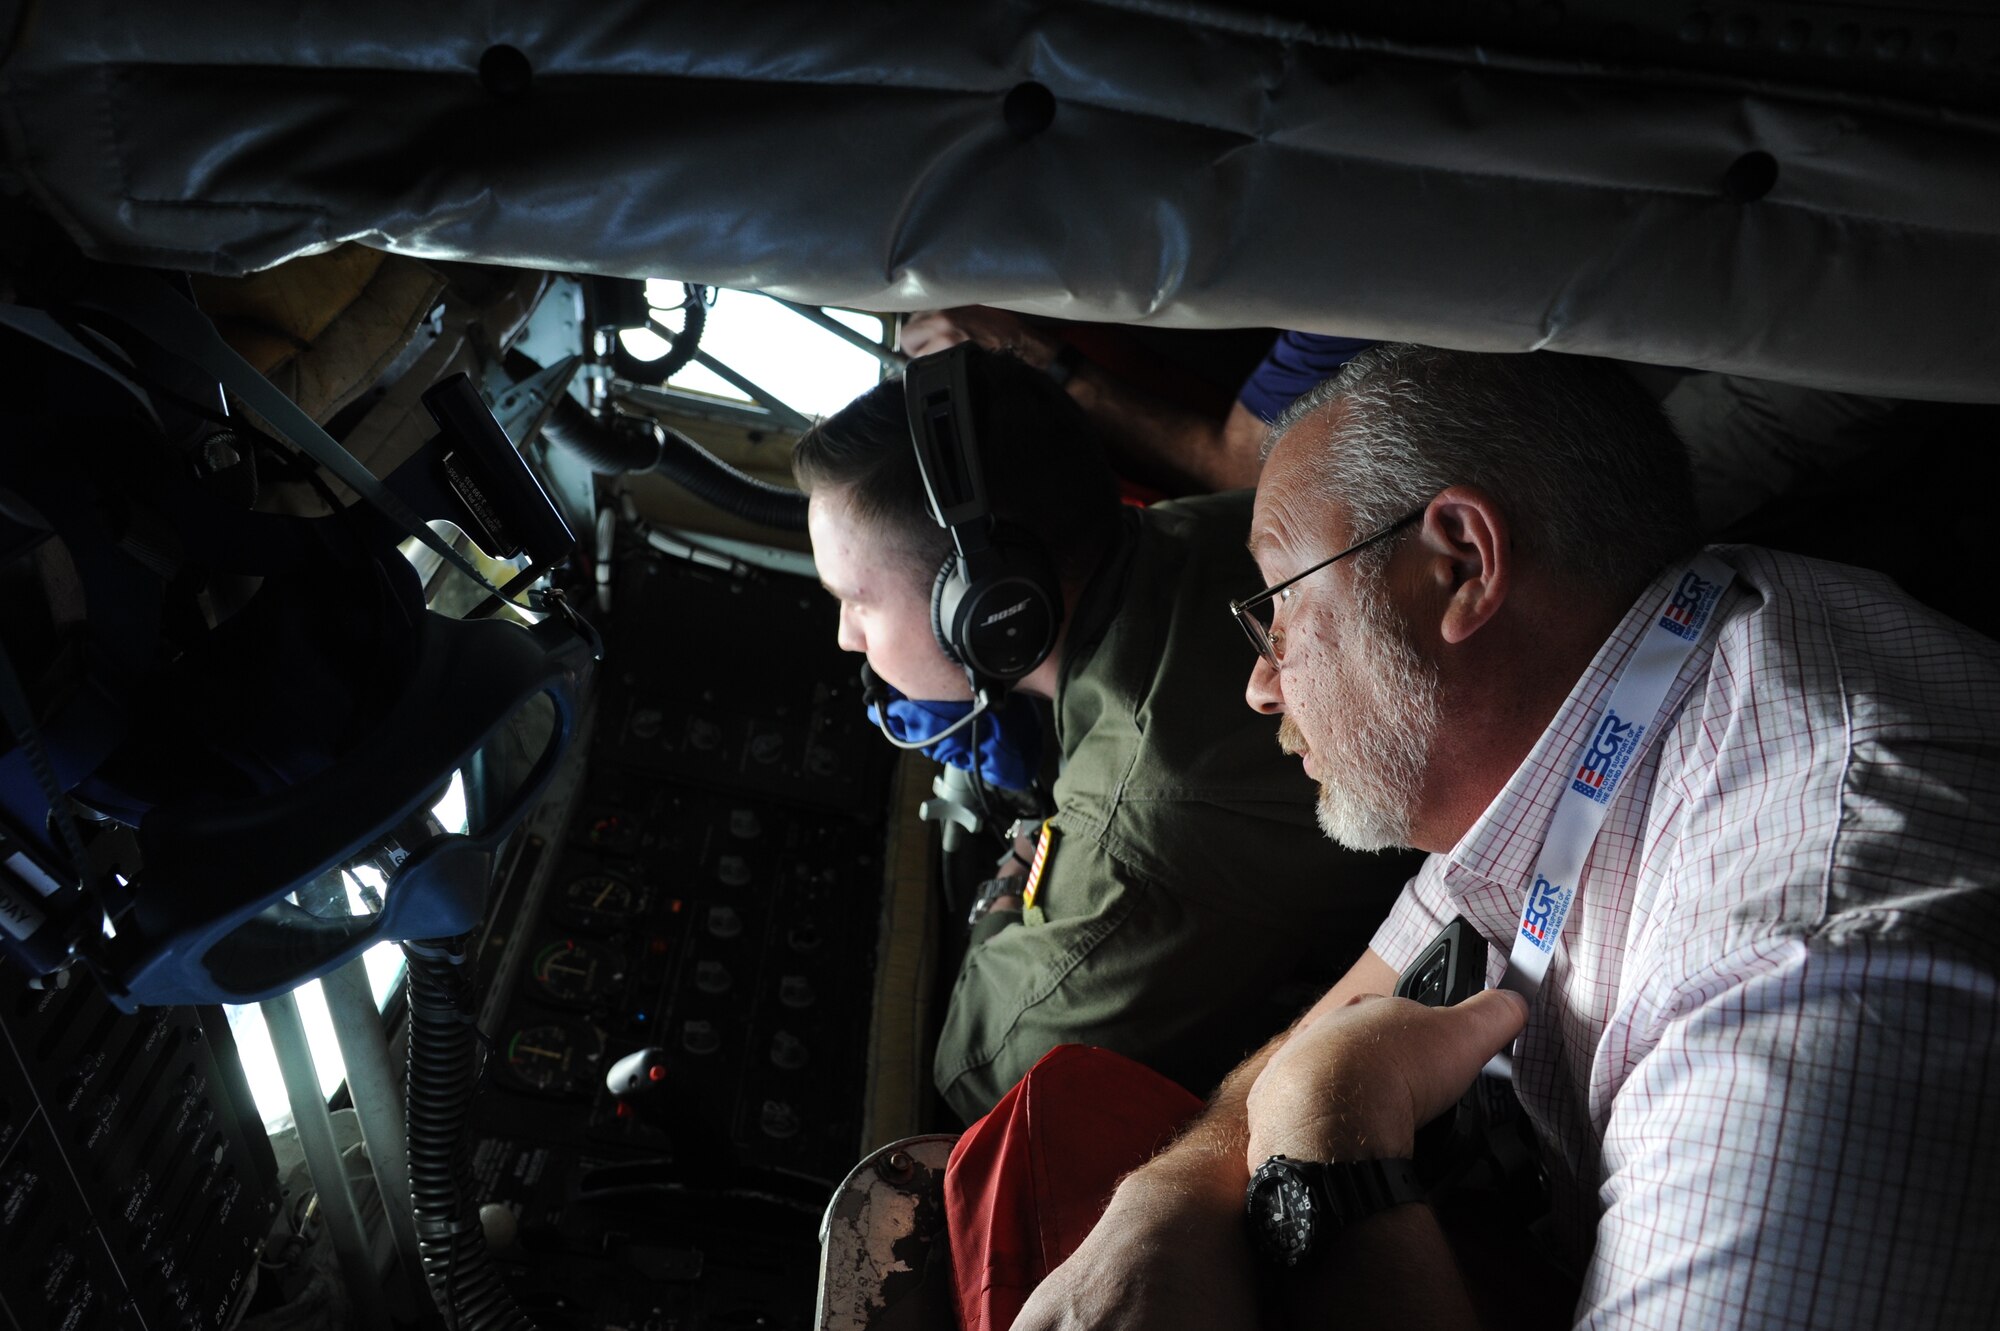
443 1074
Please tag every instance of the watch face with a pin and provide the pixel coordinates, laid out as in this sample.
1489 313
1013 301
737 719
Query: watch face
1281 1212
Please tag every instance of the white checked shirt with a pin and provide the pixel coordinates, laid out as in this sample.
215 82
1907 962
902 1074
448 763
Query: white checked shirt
1764 1064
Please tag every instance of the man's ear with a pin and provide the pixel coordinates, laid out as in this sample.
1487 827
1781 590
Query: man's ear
1472 565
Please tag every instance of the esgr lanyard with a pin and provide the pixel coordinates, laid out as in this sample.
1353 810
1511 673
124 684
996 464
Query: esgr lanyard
1613 742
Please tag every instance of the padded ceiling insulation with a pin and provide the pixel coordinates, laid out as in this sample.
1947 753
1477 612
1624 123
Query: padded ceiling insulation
1806 192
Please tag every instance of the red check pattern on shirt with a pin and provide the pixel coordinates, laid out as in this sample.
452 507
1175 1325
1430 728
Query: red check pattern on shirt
1765 1063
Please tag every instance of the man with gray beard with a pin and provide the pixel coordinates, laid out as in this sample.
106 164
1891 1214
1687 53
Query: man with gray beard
1725 818
1373 762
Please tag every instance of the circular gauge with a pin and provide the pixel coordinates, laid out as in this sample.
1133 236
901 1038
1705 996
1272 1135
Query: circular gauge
646 723
550 1057
576 972
603 901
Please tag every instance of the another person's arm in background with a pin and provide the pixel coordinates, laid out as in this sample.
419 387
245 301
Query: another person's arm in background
1177 450
1157 443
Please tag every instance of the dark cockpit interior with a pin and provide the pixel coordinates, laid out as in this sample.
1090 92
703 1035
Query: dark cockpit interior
450 871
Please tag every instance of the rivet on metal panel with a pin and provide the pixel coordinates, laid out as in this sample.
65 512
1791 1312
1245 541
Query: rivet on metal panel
898 1167
505 72
1029 109
1891 43
1750 177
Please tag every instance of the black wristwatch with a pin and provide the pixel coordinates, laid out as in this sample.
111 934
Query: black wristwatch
1293 1204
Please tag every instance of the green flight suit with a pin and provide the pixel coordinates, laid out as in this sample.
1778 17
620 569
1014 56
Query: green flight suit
1187 876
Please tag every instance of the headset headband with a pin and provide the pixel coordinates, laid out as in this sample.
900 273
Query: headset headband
939 397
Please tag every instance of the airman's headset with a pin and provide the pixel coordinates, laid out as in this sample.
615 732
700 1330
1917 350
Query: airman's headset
996 602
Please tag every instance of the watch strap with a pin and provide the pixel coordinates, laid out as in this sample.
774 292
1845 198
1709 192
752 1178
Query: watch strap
1335 1196
991 891
1358 1189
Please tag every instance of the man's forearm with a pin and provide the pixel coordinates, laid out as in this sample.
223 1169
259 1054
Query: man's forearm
1393 1270
1207 1159
1172 1249
1202 1171
1177 450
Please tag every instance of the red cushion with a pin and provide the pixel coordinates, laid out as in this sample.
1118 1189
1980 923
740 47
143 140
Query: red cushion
1026 1183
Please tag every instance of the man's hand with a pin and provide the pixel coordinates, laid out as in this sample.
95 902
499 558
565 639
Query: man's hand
1358 1081
1172 1248
1161 1259
996 330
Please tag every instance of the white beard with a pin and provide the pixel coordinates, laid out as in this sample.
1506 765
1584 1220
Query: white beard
1383 716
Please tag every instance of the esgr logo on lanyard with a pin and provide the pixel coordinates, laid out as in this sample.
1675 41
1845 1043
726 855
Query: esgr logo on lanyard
1688 608
1605 758
1614 743
1542 918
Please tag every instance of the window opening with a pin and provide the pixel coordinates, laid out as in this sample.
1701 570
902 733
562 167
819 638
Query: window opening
793 361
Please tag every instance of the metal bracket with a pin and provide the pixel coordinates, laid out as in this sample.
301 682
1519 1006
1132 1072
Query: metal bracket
882 1235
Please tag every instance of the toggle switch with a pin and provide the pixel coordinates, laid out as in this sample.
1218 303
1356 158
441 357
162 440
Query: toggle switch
700 1037
638 1072
779 1120
788 1051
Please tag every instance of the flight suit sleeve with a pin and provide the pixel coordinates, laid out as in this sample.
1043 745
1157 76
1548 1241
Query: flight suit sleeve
1116 960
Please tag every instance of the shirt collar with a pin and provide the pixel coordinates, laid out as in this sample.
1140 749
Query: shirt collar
1502 845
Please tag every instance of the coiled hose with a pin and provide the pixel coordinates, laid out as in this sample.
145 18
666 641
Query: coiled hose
704 474
444 1070
652 447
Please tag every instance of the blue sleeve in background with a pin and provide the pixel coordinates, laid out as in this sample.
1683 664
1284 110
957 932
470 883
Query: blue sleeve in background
1296 362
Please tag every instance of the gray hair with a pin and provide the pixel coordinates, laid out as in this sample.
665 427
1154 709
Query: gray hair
1591 475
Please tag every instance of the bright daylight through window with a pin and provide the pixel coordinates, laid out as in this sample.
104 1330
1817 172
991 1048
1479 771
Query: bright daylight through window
804 366
384 963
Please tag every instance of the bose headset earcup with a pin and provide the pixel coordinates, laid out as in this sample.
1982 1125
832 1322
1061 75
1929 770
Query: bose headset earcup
947 590
1003 624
